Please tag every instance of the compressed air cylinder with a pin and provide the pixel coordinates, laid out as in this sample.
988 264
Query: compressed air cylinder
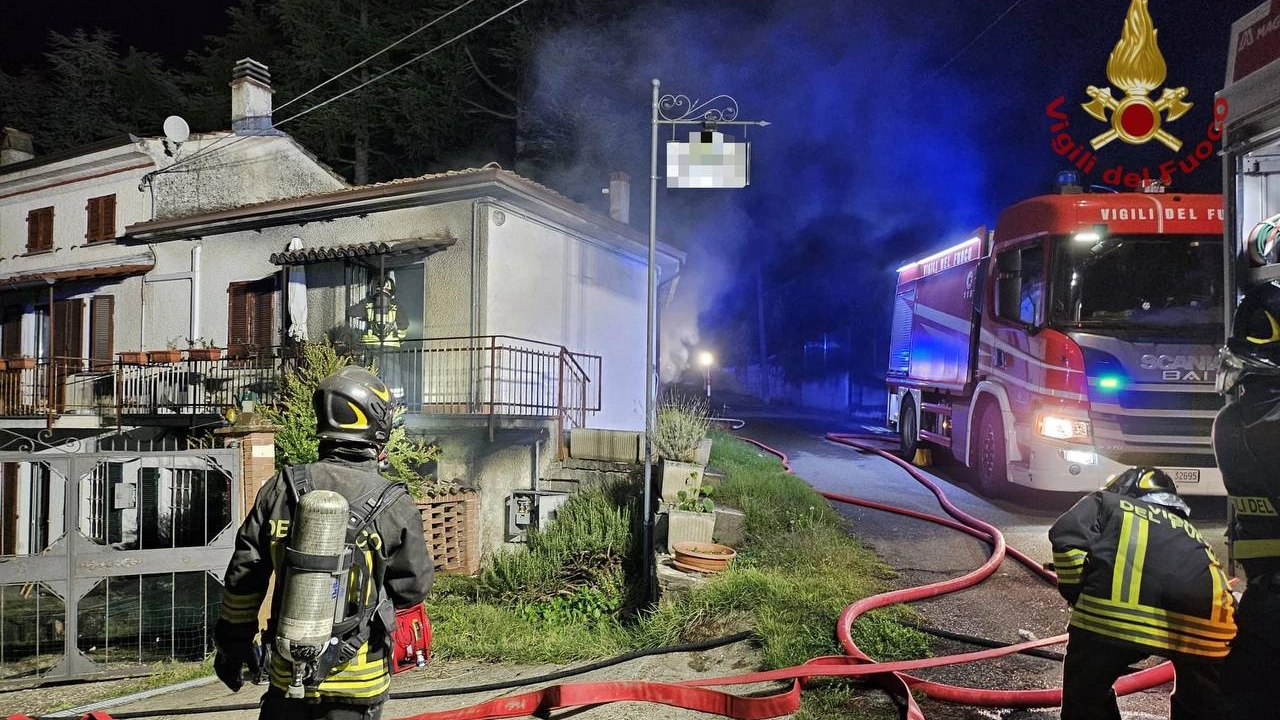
310 597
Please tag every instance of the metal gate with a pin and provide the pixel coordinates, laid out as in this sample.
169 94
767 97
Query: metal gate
111 553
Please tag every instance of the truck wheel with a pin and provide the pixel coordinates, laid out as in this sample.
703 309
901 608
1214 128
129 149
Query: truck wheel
908 435
990 464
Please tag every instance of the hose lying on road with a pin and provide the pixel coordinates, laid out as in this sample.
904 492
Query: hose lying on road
698 695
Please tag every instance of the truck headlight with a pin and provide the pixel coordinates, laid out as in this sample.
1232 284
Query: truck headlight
1064 428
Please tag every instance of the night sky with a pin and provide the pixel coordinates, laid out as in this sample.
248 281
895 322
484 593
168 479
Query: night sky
889 137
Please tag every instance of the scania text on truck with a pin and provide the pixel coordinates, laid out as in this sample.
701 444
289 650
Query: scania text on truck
1077 339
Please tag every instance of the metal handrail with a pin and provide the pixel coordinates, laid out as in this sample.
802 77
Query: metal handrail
520 376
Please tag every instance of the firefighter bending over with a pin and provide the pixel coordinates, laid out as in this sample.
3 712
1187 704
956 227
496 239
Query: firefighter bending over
1142 581
347 549
1246 441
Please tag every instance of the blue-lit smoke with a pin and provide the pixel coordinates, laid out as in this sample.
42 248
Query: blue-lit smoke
871 157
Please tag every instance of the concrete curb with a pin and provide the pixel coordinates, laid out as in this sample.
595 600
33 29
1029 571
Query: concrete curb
125 699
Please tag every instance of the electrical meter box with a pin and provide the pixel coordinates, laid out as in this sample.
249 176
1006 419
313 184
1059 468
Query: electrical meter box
527 509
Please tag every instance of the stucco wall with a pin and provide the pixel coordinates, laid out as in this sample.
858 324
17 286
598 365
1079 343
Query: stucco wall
548 284
238 171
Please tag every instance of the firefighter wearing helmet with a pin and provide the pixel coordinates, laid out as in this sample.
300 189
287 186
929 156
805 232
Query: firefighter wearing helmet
1246 442
347 549
1141 581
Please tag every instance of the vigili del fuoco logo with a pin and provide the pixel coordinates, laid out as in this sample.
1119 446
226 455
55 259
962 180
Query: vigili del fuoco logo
1136 70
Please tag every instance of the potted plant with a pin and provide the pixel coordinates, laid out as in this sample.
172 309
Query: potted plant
133 358
169 355
681 428
202 349
692 518
24 362
703 557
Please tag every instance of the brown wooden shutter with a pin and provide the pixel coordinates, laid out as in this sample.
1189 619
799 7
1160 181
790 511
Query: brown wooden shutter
68 341
102 331
40 229
11 332
101 212
251 317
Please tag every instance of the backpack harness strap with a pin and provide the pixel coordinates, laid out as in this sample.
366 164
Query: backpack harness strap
350 633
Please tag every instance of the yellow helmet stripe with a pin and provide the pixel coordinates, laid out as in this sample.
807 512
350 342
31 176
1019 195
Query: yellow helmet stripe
384 394
1275 331
361 423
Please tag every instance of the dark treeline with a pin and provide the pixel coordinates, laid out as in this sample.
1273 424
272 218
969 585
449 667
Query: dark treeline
466 104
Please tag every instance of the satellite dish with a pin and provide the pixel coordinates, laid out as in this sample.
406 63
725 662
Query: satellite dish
176 130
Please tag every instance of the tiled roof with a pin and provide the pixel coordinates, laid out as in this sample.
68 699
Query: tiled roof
305 256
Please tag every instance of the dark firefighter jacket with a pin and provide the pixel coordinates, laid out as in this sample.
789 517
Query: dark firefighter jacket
1247 448
1141 576
396 539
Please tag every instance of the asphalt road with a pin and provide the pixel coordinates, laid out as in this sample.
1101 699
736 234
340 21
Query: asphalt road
1008 606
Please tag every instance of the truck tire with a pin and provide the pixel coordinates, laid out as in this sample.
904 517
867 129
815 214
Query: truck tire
990 462
908 431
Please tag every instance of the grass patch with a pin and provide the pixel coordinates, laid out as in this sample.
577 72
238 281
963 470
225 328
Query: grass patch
162 674
564 598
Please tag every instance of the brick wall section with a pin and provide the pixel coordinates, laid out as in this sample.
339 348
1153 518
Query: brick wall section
451 525
257 459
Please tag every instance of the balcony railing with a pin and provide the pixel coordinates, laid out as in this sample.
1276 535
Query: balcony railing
489 375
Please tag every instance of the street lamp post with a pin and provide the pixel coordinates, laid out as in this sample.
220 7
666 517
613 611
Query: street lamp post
706 360
667 110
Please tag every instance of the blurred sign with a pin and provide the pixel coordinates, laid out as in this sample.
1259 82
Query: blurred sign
708 160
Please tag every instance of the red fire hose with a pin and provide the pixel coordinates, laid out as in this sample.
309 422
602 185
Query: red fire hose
697 695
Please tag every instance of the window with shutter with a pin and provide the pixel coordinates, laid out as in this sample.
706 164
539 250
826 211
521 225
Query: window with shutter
40 229
11 331
251 317
101 213
102 331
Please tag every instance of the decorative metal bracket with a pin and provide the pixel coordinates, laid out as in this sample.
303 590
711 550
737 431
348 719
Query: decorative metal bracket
679 108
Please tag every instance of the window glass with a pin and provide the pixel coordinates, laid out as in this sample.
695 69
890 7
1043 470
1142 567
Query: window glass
1020 284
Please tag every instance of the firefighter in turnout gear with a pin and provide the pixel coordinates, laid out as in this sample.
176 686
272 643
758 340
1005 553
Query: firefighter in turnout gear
383 566
1141 581
1246 441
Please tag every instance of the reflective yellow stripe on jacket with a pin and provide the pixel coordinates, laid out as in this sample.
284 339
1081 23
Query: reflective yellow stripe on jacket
1069 566
1122 616
359 678
241 608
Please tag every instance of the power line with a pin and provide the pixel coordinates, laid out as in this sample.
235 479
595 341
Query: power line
978 37
380 52
237 138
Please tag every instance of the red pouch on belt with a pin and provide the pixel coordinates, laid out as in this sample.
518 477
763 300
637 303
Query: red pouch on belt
411 640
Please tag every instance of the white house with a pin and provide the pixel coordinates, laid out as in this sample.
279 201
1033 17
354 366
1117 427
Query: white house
68 291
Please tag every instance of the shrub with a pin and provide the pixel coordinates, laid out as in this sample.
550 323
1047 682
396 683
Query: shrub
296 442
682 424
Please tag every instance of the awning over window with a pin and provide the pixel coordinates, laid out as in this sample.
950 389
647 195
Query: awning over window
126 268
400 249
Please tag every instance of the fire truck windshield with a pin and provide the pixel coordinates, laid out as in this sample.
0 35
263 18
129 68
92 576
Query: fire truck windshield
1168 284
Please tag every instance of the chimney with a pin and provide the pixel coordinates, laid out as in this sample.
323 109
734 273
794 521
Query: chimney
250 98
15 146
620 197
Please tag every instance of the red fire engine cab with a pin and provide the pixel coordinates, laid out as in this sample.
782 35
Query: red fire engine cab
1079 338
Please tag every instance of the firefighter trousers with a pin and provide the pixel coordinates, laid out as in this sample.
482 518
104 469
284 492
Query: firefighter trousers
279 707
1249 674
1093 664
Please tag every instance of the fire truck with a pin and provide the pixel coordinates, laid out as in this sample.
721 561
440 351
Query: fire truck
1249 107
1078 338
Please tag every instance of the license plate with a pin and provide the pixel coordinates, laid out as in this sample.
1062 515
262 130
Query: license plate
1184 475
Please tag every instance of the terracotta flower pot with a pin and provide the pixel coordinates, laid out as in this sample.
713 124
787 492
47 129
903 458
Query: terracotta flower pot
133 358
204 354
164 356
703 557
20 363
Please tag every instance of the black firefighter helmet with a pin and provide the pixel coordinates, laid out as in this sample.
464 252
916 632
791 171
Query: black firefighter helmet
1253 349
353 407
1151 485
